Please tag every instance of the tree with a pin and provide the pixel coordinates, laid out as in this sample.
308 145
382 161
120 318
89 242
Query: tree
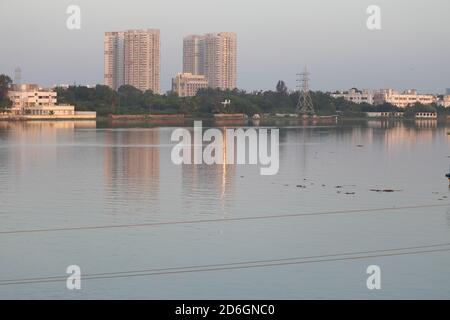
5 85
410 111
281 88
130 96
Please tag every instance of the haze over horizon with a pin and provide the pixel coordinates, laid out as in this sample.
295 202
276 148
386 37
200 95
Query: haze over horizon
275 40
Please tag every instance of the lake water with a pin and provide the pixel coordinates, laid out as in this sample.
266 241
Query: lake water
85 178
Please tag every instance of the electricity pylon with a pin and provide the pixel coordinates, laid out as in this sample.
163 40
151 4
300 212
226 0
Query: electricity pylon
305 105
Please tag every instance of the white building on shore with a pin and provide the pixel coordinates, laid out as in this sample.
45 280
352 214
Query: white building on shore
403 100
355 95
29 101
444 101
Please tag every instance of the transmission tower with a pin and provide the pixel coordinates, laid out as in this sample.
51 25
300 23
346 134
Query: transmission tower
305 105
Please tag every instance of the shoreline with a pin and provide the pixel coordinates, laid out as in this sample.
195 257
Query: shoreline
183 120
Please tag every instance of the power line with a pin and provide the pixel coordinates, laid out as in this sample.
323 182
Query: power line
243 264
184 222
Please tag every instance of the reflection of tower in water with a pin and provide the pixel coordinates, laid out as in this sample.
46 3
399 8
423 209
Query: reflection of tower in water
132 161
215 180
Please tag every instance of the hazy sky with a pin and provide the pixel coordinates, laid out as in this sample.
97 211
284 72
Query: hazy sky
275 39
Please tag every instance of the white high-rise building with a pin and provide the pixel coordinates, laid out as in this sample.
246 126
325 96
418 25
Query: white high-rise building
132 57
214 56
114 59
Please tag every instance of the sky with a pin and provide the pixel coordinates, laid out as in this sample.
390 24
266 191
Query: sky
276 39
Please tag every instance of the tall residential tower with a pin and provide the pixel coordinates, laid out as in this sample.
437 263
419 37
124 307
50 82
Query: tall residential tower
214 56
114 59
132 57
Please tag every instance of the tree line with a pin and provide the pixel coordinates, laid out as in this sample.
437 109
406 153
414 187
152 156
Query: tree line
129 100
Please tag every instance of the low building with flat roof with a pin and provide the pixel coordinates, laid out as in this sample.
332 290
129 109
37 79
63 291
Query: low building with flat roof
355 95
385 114
403 100
29 101
426 115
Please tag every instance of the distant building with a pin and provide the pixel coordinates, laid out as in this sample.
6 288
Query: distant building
63 86
402 100
214 56
187 84
193 55
132 57
355 95
444 101
386 114
447 92
426 115
33 102
30 96
114 60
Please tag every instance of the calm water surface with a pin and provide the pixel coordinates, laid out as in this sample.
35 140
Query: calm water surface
66 175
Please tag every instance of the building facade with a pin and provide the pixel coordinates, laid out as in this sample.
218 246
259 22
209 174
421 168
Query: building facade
426 115
385 114
214 56
114 59
355 95
402 100
133 58
30 96
193 55
187 84
444 101
34 102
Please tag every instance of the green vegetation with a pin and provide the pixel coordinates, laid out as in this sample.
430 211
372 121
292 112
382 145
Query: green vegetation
129 100
5 85
411 111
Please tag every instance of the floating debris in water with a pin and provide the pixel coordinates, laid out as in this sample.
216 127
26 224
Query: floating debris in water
385 190
301 186
343 186
350 193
